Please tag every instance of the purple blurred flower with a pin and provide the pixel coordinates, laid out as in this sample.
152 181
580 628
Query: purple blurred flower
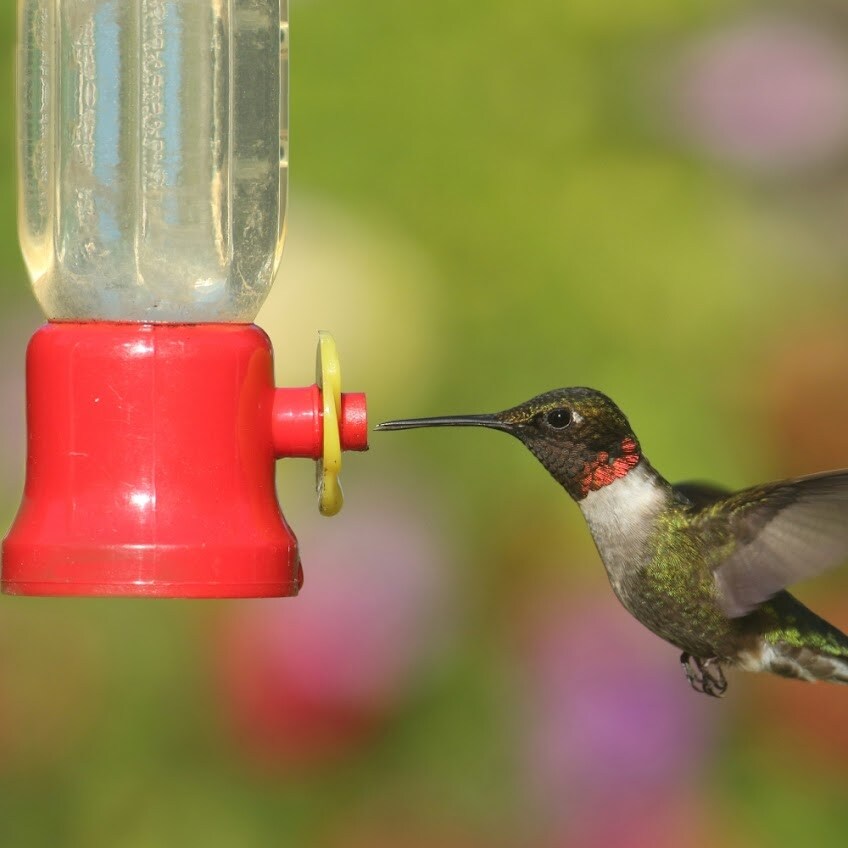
609 713
768 94
306 679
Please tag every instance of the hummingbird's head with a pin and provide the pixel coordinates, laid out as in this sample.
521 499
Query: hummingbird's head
578 434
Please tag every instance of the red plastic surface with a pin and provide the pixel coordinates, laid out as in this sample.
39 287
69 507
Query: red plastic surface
297 423
150 468
353 425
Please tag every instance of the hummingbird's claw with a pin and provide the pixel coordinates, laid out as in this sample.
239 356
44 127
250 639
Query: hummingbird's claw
704 676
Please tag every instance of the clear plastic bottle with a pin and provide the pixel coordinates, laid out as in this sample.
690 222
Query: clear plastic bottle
152 156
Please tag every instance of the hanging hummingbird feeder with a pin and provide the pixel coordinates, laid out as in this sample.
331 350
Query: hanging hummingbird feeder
152 151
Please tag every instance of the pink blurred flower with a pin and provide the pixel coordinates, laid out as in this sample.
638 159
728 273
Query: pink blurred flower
308 678
768 94
609 714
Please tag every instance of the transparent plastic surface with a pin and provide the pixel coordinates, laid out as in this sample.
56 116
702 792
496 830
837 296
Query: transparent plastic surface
152 146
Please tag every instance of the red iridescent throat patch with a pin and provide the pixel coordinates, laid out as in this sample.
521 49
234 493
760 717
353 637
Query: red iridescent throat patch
606 469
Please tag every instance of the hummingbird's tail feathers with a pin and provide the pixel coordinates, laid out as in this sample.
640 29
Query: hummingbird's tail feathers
804 663
795 642
841 673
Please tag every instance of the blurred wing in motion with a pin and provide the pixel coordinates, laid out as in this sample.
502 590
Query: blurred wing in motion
777 535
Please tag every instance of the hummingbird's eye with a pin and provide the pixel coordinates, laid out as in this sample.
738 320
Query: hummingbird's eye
559 418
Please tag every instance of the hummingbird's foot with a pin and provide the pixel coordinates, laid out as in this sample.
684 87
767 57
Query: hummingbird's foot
705 676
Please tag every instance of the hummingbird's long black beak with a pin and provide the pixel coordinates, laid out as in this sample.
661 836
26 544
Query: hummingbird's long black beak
491 421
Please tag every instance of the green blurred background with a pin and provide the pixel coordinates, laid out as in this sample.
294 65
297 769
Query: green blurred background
488 199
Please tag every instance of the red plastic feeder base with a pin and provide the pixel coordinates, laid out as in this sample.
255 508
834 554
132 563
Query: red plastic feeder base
150 467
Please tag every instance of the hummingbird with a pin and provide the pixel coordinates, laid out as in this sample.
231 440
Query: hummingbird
704 568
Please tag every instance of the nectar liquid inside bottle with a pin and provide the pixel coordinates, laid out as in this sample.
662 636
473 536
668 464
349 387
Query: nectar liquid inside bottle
152 156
